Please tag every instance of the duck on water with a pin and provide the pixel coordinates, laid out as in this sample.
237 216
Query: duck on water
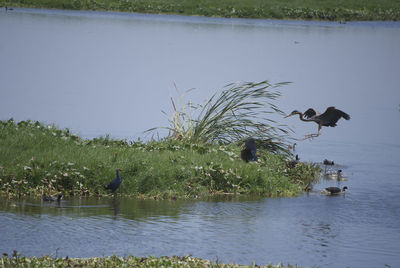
335 190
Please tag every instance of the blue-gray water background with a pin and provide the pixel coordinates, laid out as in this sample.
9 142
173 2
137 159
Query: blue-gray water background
110 73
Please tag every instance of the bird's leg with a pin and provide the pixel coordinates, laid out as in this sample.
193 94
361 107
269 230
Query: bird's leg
311 136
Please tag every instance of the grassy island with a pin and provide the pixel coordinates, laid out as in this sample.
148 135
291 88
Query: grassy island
201 157
36 159
333 10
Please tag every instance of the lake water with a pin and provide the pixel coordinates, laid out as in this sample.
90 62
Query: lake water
110 73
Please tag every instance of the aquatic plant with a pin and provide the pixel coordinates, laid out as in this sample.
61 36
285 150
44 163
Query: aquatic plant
237 112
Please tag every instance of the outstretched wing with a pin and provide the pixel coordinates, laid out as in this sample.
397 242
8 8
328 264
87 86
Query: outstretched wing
310 113
344 115
332 115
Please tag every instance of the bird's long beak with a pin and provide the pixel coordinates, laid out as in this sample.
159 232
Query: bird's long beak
288 115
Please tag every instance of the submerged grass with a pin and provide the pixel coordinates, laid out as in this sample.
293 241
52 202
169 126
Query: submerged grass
114 261
37 159
337 10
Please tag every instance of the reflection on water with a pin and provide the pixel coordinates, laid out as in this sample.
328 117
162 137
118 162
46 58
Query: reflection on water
83 207
96 73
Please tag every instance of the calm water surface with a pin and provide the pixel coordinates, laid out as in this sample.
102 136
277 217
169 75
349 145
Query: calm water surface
99 73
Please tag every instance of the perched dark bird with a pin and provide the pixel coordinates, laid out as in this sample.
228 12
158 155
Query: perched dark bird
249 151
336 190
293 163
115 183
328 119
52 199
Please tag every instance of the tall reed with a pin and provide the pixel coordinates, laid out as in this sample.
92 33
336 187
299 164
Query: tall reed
238 111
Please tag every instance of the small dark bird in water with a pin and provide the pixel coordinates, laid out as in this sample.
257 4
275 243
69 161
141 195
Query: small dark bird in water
115 183
336 190
52 199
249 151
328 119
328 162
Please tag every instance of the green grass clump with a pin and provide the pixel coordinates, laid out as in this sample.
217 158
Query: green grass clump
114 261
239 111
36 159
337 10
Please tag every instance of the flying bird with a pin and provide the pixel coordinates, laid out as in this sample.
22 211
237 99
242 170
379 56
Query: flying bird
328 119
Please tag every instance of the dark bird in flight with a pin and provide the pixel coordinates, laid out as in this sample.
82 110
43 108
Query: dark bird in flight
115 183
328 119
249 151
